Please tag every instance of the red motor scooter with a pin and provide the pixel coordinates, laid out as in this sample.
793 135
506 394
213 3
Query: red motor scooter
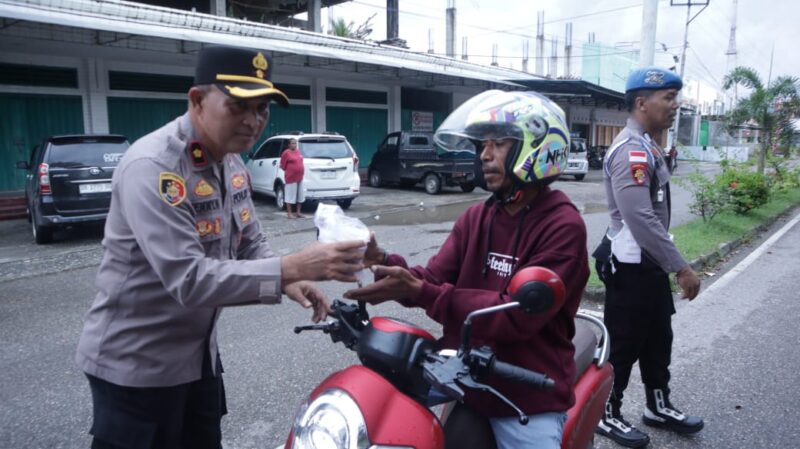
384 403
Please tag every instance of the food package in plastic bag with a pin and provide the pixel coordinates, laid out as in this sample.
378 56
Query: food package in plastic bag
334 226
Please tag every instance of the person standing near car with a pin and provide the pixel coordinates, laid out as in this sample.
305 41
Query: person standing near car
293 171
636 257
182 241
522 142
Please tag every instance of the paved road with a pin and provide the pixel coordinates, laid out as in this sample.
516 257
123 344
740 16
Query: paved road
45 291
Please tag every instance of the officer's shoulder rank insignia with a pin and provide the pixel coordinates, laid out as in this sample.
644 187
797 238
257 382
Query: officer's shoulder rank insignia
172 188
203 189
198 154
237 181
639 173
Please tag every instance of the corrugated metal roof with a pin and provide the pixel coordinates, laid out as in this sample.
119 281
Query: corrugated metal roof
147 20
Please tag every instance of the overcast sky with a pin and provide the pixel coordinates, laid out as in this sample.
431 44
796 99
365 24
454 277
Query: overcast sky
761 25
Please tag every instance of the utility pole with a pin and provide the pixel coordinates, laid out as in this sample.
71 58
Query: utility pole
673 137
649 22
732 53
540 43
568 51
451 28
525 45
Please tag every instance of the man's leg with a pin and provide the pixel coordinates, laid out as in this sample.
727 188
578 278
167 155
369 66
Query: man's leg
543 431
205 407
625 317
136 418
654 365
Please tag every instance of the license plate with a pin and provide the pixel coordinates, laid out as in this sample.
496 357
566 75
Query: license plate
327 174
102 187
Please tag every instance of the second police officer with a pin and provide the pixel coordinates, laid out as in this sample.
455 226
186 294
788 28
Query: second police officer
638 254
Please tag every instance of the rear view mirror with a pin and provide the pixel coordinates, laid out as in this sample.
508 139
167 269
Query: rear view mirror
537 289
22 165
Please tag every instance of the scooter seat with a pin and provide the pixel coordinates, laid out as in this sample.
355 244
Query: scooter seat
585 342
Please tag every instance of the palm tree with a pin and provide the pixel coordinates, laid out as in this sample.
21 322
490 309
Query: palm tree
768 106
340 27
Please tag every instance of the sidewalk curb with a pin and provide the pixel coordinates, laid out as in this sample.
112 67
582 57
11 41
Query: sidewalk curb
597 295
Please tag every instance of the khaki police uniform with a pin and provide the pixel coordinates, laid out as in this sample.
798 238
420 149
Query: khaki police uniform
181 241
639 300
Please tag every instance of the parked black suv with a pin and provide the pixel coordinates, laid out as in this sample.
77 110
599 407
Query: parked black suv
69 181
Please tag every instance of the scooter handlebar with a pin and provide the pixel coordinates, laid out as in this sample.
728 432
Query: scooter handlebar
522 375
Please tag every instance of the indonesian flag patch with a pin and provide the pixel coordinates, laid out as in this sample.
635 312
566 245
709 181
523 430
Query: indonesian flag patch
637 156
639 173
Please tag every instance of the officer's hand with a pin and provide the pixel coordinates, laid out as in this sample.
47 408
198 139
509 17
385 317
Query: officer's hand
374 254
324 261
393 283
689 282
308 295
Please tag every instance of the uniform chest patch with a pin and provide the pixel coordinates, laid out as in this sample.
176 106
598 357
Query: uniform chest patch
203 189
237 181
245 215
172 188
639 173
206 227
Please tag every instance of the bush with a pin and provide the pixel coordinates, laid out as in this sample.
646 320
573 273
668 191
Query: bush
708 197
746 190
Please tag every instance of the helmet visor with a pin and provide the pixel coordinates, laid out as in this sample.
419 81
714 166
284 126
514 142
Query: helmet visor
480 118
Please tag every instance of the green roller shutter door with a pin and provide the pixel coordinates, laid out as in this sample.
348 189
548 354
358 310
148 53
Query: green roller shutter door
27 119
135 117
364 128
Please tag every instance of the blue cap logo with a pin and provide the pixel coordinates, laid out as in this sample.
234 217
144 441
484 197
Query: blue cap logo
654 78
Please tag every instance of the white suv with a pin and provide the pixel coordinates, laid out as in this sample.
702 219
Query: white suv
331 168
578 161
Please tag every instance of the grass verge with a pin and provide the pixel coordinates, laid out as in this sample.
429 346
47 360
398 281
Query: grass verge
696 238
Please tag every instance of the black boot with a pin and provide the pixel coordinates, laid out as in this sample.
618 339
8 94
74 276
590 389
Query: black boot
659 412
614 426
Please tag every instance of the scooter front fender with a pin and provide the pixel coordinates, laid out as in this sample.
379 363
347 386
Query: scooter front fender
391 417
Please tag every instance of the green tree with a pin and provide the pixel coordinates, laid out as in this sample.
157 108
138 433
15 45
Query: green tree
342 28
768 106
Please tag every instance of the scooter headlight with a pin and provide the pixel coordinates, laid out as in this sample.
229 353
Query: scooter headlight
331 421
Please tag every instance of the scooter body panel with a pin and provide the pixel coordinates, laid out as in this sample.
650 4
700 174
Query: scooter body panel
392 418
591 393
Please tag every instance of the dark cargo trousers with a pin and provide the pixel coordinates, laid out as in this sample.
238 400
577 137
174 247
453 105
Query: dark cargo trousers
638 315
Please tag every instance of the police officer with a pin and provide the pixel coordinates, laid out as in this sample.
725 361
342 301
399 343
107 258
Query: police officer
182 241
636 257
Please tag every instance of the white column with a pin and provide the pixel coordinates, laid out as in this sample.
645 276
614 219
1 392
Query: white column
395 109
649 22
93 85
318 101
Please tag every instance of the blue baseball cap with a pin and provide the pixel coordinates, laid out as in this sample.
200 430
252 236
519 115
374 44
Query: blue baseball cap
653 78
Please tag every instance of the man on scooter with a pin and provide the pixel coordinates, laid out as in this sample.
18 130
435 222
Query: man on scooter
521 143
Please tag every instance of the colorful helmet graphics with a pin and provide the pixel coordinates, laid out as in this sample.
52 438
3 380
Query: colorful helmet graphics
533 121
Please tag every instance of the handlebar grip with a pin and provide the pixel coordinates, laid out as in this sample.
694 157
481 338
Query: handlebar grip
518 374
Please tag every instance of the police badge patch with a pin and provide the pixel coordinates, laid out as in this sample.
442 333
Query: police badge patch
237 181
639 172
172 188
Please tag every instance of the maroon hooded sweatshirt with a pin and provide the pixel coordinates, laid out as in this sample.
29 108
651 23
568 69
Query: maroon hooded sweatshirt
472 271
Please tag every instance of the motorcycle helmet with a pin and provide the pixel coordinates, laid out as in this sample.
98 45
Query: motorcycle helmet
535 123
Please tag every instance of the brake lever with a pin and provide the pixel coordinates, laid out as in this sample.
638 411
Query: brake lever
469 382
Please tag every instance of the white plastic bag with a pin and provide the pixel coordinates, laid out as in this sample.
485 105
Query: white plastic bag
334 226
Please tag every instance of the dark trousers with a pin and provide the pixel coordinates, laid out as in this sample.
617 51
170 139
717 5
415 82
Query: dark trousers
638 315
185 416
